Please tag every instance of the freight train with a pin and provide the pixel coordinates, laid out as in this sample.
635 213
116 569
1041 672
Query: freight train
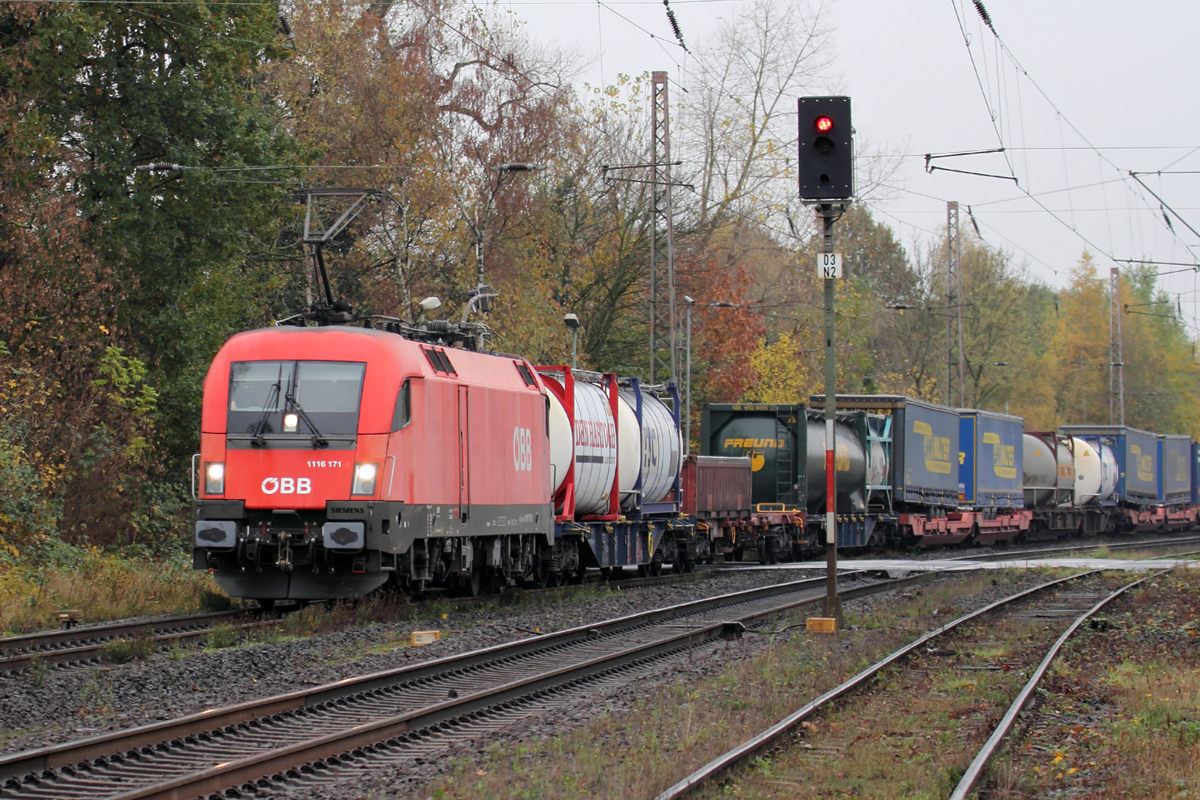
343 457
911 472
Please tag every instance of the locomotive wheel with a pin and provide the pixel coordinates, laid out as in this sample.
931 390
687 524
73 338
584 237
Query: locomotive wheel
474 584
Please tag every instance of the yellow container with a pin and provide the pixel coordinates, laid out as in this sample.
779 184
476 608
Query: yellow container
422 638
822 625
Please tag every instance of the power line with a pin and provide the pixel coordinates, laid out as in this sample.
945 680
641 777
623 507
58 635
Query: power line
1002 48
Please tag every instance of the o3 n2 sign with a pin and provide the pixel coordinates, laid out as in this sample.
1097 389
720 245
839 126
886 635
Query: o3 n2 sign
829 265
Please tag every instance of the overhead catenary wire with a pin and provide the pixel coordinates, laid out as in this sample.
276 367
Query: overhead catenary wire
1135 192
1059 114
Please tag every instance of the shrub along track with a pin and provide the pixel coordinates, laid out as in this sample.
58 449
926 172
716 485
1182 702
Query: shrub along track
315 733
914 734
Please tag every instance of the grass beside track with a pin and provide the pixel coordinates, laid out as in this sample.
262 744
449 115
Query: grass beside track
674 729
1120 716
101 586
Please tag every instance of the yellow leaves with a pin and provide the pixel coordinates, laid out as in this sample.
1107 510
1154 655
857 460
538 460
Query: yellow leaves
781 376
1058 757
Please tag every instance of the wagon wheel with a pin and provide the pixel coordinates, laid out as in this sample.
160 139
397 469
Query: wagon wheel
547 578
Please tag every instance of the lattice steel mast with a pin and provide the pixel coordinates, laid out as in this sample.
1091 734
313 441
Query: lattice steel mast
954 321
1116 359
663 355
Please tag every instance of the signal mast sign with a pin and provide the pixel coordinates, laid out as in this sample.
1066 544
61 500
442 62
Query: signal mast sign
829 265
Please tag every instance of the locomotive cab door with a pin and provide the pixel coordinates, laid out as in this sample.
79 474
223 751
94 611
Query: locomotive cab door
464 450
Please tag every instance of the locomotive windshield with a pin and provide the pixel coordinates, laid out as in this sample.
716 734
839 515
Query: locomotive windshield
319 397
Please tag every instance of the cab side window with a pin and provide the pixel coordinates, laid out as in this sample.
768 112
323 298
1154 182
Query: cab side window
403 413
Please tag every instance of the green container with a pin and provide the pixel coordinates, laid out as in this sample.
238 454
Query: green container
772 435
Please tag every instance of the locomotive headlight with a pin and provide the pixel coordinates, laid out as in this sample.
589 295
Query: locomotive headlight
364 479
214 478
290 421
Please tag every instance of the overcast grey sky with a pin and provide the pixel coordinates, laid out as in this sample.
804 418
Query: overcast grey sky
1124 74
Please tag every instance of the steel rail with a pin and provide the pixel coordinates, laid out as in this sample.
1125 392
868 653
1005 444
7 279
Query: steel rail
113 630
67 754
592 582
1015 555
456 711
91 652
772 734
975 770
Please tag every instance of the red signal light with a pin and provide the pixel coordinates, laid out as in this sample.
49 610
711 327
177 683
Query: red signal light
824 124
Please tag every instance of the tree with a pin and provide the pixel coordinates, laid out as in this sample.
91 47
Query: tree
125 86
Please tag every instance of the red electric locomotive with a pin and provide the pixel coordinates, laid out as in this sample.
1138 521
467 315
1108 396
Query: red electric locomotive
334 458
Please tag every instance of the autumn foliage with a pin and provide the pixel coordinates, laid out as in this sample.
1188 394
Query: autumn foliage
120 277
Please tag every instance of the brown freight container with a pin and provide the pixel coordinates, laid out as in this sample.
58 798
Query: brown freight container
717 487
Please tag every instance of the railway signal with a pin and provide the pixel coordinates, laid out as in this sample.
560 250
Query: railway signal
826 153
826 172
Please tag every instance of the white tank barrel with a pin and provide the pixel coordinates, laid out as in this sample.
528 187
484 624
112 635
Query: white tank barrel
1109 472
562 446
595 449
1041 471
1087 473
629 451
661 448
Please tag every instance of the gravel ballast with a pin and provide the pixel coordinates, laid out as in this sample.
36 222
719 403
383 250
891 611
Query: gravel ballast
64 705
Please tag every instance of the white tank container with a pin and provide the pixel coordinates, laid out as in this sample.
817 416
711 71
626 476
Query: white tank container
629 448
1087 473
562 447
595 449
1041 471
1109 472
661 447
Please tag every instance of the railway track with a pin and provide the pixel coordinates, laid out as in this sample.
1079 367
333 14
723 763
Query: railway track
89 645
320 733
1078 604
1006 554
1043 552
592 582
85 645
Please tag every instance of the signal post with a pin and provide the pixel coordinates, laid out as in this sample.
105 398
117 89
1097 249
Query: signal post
826 174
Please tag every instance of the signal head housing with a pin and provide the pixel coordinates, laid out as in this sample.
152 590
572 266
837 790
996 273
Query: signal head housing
826 152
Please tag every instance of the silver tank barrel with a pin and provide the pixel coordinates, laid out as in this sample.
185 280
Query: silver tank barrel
850 464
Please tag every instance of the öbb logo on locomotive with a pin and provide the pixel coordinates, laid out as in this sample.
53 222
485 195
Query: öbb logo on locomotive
522 440
287 485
